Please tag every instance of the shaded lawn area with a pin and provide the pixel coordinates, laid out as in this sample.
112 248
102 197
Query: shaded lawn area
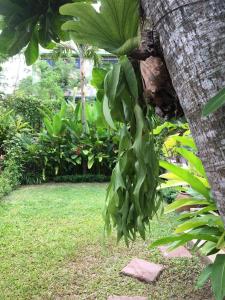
52 247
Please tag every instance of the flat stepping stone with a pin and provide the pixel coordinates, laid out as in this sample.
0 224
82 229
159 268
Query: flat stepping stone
177 253
143 270
126 298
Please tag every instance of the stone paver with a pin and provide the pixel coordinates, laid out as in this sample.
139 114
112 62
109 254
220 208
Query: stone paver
143 270
179 252
126 298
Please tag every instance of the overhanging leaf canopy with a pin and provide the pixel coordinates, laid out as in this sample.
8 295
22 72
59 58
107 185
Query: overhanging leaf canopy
30 23
114 28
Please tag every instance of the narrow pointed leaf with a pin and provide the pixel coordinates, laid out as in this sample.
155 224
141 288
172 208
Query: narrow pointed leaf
218 277
204 276
193 160
214 104
183 202
187 176
32 50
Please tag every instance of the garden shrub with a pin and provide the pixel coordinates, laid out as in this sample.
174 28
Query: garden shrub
82 178
9 178
52 79
5 186
47 141
204 226
169 194
28 107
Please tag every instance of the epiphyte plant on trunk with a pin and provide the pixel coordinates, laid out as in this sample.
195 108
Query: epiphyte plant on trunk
132 196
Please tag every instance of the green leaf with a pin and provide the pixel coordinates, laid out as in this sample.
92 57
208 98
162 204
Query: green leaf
206 209
107 113
208 247
112 81
187 176
32 50
98 77
110 28
183 238
57 125
111 86
221 242
165 125
185 141
204 276
20 19
218 277
91 161
209 220
178 184
183 202
169 176
214 104
193 160
130 76
48 125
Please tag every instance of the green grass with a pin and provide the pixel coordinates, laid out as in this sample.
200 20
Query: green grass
52 247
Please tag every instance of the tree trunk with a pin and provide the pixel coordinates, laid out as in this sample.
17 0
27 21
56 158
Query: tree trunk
192 35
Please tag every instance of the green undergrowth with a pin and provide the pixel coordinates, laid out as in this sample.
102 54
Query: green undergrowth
52 247
81 178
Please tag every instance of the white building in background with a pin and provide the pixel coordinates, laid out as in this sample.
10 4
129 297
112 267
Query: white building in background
13 71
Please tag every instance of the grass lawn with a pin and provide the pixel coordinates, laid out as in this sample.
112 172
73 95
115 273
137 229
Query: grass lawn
52 247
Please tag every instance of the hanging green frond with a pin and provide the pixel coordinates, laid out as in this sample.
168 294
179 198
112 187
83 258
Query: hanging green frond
132 194
114 28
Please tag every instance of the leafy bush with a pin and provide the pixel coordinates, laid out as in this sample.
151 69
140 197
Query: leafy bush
169 194
28 107
5 185
82 178
46 139
9 177
204 225
12 130
50 81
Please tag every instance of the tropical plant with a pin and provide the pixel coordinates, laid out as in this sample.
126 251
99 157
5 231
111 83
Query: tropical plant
131 197
12 129
204 225
109 28
216 273
61 147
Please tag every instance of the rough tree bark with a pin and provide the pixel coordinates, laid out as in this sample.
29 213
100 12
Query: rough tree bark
192 35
